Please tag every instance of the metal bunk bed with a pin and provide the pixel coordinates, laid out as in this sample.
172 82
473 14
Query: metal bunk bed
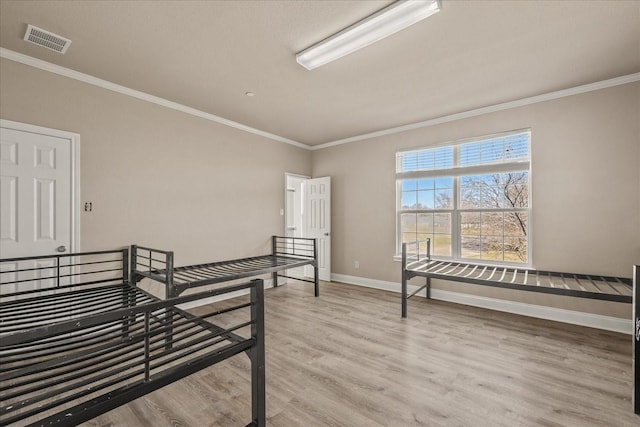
286 253
624 290
77 339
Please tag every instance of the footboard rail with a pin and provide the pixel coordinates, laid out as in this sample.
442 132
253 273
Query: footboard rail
154 264
297 247
25 277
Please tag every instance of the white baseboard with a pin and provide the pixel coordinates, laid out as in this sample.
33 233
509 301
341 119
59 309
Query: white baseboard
598 321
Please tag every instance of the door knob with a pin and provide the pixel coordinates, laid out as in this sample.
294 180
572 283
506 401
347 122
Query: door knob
326 234
61 248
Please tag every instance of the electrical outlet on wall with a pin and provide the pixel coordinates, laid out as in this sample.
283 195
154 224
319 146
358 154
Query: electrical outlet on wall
356 264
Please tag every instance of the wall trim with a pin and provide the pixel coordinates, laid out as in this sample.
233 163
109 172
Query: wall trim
591 320
577 90
95 81
86 78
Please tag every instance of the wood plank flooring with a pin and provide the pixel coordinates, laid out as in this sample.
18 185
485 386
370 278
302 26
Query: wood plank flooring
348 359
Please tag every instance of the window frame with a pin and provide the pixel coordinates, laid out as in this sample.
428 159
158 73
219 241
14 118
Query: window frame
456 172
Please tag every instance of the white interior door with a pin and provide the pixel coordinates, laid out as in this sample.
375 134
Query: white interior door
35 193
317 214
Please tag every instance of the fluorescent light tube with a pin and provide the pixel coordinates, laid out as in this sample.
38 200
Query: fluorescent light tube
387 21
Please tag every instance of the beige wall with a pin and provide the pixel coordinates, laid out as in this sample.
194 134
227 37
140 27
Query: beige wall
585 190
156 176
207 191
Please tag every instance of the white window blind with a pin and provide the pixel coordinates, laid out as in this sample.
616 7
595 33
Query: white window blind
428 159
504 149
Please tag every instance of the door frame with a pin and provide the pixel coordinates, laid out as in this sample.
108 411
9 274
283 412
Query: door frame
288 175
300 272
74 142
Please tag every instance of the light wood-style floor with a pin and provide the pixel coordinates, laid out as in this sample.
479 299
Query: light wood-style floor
348 359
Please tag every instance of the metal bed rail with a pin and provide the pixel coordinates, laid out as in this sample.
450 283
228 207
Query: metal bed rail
80 369
28 277
287 253
297 247
155 264
22 314
192 276
591 286
302 247
411 252
636 339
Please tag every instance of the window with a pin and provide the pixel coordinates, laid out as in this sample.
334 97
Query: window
471 198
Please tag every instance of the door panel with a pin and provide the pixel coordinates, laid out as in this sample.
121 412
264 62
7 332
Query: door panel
45 209
9 208
35 193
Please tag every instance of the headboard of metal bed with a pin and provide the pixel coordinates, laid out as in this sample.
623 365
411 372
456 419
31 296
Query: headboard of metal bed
28 277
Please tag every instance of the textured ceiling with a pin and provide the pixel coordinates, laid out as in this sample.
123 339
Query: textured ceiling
207 54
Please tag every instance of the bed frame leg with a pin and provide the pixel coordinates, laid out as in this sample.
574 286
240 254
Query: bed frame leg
316 280
274 247
636 339
126 298
428 287
404 280
316 273
404 298
257 355
170 292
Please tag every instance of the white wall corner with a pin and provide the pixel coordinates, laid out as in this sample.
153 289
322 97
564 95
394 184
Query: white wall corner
591 320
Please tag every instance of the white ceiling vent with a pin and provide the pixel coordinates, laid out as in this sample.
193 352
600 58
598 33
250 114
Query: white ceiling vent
46 39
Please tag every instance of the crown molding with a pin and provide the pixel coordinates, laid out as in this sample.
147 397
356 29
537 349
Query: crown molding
86 78
617 81
95 81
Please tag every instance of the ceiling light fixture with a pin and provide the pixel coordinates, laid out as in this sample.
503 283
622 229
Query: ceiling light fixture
387 21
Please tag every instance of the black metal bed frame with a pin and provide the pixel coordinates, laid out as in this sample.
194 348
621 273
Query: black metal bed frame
286 253
636 339
77 339
590 286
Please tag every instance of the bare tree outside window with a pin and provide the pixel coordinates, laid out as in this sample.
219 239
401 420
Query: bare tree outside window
499 235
